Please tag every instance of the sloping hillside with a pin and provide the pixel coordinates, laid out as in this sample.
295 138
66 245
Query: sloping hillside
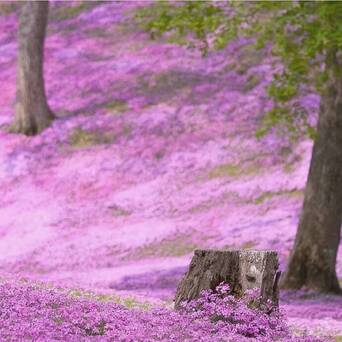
153 155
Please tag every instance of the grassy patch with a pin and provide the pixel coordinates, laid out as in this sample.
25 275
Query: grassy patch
252 81
170 247
166 85
77 293
127 130
65 12
248 58
232 170
229 67
177 39
82 138
228 247
169 80
117 106
174 247
118 211
8 7
288 168
58 320
291 163
127 28
285 151
248 244
270 194
97 32
132 303
129 302
204 206
159 155
215 202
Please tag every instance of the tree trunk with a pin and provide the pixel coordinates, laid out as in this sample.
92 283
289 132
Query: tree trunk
32 113
241 269
313 259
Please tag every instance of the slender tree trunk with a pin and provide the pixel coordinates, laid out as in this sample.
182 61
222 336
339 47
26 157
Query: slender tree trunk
313 259
32 113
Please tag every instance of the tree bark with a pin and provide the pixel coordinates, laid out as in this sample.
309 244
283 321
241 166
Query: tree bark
241 269
313 259
32 112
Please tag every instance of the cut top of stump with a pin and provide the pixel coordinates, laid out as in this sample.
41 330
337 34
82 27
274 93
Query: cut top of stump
241 269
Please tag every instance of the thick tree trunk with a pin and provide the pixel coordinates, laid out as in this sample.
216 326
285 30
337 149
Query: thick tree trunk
313 259
32 113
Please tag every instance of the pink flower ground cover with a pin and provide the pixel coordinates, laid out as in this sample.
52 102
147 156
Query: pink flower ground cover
153 155
32 313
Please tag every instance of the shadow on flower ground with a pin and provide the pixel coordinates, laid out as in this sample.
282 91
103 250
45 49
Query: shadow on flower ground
153 155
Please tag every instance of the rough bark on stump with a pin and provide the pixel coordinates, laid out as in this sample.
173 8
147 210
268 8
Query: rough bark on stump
241 269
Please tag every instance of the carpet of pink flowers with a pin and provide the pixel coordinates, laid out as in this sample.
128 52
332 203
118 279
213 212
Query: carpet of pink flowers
32 313
152 156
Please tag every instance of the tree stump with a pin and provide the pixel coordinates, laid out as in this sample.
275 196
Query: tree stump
241 269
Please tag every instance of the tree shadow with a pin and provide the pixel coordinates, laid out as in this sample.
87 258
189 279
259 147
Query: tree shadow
155 280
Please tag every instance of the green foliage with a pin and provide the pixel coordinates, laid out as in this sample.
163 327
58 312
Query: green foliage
132 303
195 19
269 195
232 170
303 35
82 138
225 170
117 106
